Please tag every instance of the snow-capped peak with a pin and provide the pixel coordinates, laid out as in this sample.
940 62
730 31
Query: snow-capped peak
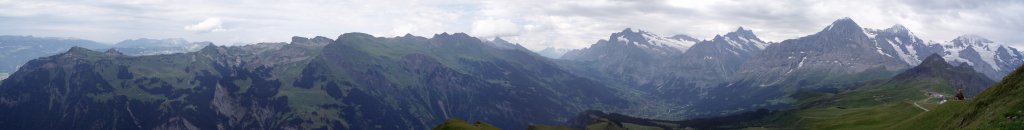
743 38
969 40
650 40
871 33
740 32
844 26
977 44
897 28
627 30
684 37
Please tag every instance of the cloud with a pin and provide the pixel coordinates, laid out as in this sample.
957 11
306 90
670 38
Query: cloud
212 24
495 28
535 24
575 24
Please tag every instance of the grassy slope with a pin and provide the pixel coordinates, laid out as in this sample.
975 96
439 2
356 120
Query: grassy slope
891 106
861 108
459 124
999 107
854 109
179 72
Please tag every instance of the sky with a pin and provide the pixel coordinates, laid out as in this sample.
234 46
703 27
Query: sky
535 24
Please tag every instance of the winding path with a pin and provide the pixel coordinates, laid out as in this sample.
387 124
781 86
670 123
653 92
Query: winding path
919 106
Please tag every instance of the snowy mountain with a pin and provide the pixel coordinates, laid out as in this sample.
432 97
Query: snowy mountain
639 41
993 59
722 56
844 54
898 42
846 48
741 69
666 67
683 37
638 58
744 39
842 49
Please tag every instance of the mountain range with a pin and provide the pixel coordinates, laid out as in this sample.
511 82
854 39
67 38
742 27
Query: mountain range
355 82
711 73
360 81
16 50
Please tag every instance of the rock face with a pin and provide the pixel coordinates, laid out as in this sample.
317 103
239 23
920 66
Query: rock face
841 49
722 56
356 82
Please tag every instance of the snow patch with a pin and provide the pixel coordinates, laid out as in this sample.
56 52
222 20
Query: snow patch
623 39
871 34
912 51
760 45
879 48
909 56
668 42
988 55
953 55
801 64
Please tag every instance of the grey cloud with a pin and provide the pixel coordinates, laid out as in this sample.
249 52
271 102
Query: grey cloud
562 24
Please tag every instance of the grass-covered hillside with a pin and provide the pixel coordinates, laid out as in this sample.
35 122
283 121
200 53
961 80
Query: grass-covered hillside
883 104
999 107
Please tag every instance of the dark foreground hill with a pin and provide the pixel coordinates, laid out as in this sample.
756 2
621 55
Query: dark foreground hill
999 107
355 82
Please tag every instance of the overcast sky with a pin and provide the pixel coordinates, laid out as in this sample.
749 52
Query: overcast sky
535 24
